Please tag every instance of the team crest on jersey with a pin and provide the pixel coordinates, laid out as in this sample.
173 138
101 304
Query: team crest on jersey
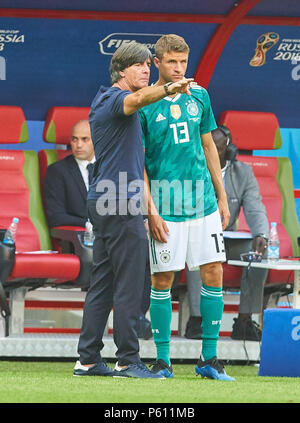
192 108
175 111
165 256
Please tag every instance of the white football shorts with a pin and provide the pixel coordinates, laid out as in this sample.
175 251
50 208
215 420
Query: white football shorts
193 242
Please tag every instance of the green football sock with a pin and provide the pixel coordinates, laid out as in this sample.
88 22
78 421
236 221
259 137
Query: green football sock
161 315
211 308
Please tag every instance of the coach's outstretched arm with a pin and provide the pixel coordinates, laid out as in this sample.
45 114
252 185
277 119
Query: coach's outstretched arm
148 95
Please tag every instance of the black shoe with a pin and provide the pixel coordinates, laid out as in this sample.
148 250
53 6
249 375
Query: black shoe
160 367
136 370
144 330
193 328
245 330
98 369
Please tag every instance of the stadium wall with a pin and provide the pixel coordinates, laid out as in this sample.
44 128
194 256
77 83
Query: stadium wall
54 57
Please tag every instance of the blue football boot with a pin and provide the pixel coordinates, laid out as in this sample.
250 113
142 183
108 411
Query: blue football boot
212 369
160 367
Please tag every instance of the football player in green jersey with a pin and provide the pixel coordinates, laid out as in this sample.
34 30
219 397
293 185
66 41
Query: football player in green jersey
186 202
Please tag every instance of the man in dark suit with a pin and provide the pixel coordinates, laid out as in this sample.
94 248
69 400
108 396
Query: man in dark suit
242 191
67 181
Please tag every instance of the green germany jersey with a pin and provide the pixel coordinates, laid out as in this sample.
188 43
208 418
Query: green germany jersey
179 179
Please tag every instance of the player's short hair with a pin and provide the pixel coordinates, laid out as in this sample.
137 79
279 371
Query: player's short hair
127 55
170 42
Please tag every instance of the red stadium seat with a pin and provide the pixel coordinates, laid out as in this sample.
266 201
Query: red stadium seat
13 125
59 122
20 195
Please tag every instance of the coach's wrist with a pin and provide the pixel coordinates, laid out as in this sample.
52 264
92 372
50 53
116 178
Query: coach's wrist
167 88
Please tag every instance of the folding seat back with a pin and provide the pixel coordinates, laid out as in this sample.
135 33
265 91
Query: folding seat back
260 131
24 265
19 189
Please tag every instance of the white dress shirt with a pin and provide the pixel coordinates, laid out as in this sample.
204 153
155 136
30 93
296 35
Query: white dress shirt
84 172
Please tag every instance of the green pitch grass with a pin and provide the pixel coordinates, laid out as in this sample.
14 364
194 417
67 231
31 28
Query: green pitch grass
53 382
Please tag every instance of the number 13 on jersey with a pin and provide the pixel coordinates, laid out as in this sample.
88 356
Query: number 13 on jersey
180 132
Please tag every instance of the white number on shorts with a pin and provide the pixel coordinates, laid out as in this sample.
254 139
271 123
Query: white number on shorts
219 242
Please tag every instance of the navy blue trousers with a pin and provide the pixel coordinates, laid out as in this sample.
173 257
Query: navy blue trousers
120 255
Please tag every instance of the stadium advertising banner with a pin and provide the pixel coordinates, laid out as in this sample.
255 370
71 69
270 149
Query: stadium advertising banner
259 69
48 62
56 62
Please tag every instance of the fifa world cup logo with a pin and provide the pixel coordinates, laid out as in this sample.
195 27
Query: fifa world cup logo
263 44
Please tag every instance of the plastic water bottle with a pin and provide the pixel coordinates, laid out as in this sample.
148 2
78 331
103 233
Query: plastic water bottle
88 237
273 244
10 234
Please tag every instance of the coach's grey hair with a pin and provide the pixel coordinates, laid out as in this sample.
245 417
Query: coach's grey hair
127 55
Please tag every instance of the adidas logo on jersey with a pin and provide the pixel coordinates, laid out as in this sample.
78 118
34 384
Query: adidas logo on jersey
159 117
